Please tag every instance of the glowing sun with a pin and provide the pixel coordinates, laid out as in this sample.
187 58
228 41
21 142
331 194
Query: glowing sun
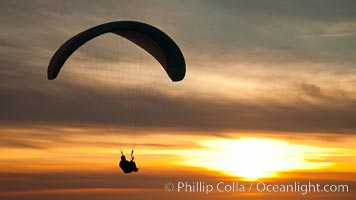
252 158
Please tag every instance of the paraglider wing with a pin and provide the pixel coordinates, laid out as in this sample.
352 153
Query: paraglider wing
151 39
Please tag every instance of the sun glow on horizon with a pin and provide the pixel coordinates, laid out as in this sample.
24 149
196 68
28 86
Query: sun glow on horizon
253 158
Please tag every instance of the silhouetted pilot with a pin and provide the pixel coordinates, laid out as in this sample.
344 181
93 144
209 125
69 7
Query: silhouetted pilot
128 166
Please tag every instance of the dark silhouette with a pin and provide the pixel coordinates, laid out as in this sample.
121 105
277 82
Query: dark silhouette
128 166
149 38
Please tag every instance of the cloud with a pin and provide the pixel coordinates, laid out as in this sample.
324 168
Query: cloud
91 185
341 29
251 67
311 89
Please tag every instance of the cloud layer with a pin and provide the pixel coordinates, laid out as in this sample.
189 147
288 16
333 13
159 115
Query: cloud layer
252 66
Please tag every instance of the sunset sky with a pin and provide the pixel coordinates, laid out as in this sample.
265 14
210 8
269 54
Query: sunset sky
269 96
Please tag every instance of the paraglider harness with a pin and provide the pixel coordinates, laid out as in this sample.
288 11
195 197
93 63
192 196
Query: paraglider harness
128 166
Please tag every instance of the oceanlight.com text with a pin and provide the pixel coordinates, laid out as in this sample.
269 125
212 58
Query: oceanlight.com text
302 188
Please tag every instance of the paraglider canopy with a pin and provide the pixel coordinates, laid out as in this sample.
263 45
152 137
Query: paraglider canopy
151 39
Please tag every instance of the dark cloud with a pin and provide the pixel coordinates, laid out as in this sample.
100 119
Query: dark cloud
274 42
311 89
26 107
87 185
302 51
